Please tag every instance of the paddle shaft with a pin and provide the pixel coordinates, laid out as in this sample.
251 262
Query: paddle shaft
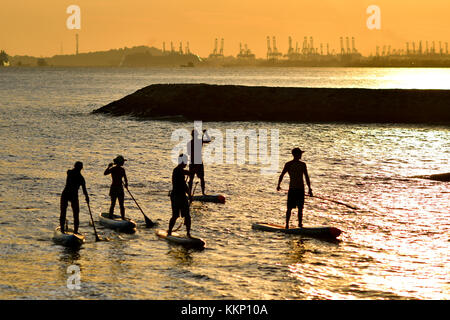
331 200
338 202
193 191
148 222
92 220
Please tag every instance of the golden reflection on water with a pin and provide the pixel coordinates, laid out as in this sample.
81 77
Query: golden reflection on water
396 246
416 78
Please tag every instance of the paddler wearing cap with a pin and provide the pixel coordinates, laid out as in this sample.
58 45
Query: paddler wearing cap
296 194
70 193
116 191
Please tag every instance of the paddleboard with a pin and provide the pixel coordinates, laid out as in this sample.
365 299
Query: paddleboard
68 239
125 226
216 198
316 232
176 238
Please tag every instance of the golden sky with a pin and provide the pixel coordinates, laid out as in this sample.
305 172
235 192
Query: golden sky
39 27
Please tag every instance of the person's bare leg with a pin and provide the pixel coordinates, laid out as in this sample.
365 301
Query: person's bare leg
187 222
62 217
202 184
300 217
288 217
122 206
76 215
171 225
111 208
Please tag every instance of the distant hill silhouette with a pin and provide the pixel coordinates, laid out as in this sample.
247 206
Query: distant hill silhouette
144 56
147 59
140 56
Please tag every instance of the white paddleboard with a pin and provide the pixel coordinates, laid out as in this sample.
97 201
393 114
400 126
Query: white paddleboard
317 232
68 239
181 240
126 226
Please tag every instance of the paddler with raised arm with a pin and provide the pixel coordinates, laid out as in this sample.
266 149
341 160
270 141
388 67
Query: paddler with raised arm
179 196
194 150
119 180
296 194
70 193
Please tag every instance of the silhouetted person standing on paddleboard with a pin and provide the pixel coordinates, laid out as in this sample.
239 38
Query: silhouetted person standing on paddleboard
116 191
194 150
296 194
70 193
179 196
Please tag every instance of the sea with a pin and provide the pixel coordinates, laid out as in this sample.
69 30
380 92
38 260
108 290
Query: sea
395 239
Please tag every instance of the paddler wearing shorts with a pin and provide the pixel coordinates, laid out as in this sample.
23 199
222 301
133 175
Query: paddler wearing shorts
296 194
179 196
119 180
194 150
70 193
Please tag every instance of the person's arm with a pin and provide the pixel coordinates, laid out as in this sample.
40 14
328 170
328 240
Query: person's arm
83 186
281 177
308 182
108 170
186 187
125 179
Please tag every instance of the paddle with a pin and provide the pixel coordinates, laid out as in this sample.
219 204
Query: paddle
331 200
97 238
149 223
193 191
338 202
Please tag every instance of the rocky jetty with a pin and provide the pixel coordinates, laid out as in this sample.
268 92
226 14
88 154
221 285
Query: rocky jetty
444 177
246 103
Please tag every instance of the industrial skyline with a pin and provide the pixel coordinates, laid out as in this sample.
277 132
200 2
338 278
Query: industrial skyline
308 48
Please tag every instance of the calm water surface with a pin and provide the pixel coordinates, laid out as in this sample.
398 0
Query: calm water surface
394 247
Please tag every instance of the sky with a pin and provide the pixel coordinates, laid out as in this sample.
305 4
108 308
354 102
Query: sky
38 28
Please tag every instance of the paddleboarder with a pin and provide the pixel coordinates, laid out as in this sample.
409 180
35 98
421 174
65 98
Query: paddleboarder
179 196
194 150
119 180
296 194
70 193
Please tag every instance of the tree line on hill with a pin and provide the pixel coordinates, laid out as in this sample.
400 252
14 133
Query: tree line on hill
4 58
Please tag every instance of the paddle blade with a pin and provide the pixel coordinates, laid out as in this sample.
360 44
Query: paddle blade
149 223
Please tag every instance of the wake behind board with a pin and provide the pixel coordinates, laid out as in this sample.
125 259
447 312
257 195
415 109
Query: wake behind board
68 239
216 198
125 226
176 238
315 232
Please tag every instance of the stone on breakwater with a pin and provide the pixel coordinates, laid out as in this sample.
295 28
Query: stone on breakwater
246 103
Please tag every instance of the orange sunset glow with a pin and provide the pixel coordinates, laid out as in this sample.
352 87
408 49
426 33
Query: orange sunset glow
38 28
